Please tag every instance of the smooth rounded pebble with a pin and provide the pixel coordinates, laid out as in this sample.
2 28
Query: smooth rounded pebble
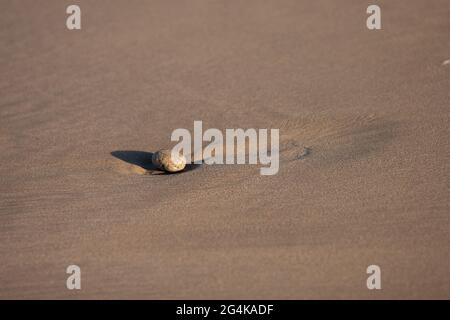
164 160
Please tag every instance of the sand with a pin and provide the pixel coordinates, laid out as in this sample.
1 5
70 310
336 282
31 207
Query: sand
82 111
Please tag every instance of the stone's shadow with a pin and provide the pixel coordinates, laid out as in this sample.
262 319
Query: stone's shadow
138 158
143 159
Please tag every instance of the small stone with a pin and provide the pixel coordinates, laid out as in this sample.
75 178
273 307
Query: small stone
164 160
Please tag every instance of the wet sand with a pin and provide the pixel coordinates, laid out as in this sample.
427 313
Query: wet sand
80 111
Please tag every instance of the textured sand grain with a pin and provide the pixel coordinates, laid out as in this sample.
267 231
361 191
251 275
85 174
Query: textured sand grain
364 128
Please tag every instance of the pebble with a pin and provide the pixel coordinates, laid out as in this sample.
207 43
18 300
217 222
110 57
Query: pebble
163 160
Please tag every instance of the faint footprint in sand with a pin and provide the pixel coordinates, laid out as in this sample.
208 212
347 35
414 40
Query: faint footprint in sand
292 150
342 137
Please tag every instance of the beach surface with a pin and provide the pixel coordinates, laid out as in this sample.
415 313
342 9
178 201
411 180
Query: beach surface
81 111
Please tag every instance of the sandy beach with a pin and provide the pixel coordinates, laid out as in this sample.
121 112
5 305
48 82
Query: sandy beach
81 112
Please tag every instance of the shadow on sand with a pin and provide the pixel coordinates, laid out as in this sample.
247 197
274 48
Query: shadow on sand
144 160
